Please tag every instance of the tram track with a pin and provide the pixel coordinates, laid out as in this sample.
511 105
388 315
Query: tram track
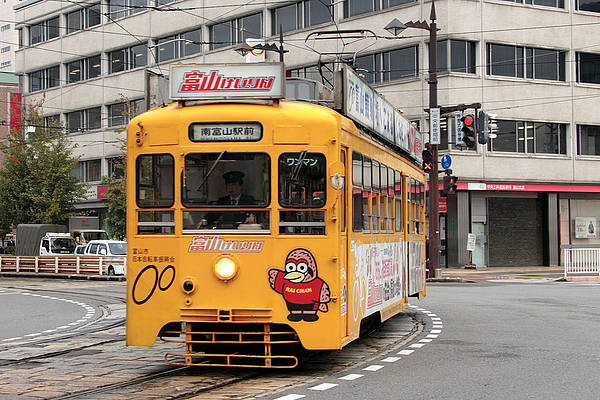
193 382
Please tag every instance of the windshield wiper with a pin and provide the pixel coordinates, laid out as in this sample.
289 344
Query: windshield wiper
298 166
210 170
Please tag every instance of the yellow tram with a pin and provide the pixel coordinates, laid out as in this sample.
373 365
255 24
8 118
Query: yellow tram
260 227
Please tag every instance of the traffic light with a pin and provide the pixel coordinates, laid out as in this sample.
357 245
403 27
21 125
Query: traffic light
427 160
485 126
450 184
468 131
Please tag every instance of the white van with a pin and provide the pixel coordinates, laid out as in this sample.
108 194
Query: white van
108 248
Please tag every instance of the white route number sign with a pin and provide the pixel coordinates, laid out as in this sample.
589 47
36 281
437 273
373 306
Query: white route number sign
434 126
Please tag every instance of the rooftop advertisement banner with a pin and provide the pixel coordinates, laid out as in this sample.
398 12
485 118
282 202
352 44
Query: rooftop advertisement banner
227 81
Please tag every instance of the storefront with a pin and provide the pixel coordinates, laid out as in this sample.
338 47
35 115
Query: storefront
519 224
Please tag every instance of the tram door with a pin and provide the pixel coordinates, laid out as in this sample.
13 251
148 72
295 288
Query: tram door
344 247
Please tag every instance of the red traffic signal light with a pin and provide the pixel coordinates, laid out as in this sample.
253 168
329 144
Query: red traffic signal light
468 131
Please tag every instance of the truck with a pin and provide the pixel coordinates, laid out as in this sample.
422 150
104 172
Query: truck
84 228
43 240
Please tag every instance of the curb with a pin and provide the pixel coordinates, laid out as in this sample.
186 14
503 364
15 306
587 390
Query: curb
449 280
62 276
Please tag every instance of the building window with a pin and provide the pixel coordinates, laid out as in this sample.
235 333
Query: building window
116 167
525 62
235 31
312 72
547 3
87 171
122 8
588 140
44 79
357 7
389 65
5 49
588 5
301 15
456 56
122 113
588 68
43 31
86 68
530 137
84 120
128 58
5 64
180 45
52 121
5 27
83 18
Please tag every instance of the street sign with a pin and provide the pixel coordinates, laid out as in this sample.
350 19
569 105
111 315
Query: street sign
457 127
471 242
446 161
434 126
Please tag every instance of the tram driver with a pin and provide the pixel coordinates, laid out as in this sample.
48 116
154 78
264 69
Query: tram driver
234 185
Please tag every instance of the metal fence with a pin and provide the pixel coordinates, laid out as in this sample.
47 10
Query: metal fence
581 261
59 265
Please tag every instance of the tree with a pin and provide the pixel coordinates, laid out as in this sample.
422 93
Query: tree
117 200
117 182
36 185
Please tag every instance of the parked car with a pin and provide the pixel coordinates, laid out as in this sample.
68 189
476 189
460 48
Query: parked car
80 249
108 248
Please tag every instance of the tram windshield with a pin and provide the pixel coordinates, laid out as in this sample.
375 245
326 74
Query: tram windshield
225 179
236 181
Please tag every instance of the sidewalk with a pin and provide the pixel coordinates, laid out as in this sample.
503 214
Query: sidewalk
487 273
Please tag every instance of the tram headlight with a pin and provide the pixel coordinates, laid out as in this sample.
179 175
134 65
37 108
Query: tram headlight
225 268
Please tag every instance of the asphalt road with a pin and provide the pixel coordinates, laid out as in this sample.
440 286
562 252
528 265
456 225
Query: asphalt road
515 339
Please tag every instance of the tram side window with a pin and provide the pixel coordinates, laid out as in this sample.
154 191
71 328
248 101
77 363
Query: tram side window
366 194
374 201
357 182
391 216
383 198
398 202
343 194
155 180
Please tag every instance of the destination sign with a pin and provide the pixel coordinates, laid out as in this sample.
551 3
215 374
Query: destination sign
226 132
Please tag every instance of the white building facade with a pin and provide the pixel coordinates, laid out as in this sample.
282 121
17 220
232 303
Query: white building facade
533 63
9 38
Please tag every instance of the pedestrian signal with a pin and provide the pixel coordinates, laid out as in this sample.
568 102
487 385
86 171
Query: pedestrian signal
450 184
468 131
427 160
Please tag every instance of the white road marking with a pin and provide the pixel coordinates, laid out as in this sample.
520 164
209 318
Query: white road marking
11 339
33 334
405 352
436 319
291 397
425 340
390 359
323 386
373 368
351 377
432 336
436 331
417 345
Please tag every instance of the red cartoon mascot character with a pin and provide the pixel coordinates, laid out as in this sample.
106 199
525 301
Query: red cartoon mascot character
303 291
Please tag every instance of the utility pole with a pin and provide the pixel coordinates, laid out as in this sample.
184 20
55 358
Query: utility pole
395 27
434 193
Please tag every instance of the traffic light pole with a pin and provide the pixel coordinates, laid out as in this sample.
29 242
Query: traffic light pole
434 193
